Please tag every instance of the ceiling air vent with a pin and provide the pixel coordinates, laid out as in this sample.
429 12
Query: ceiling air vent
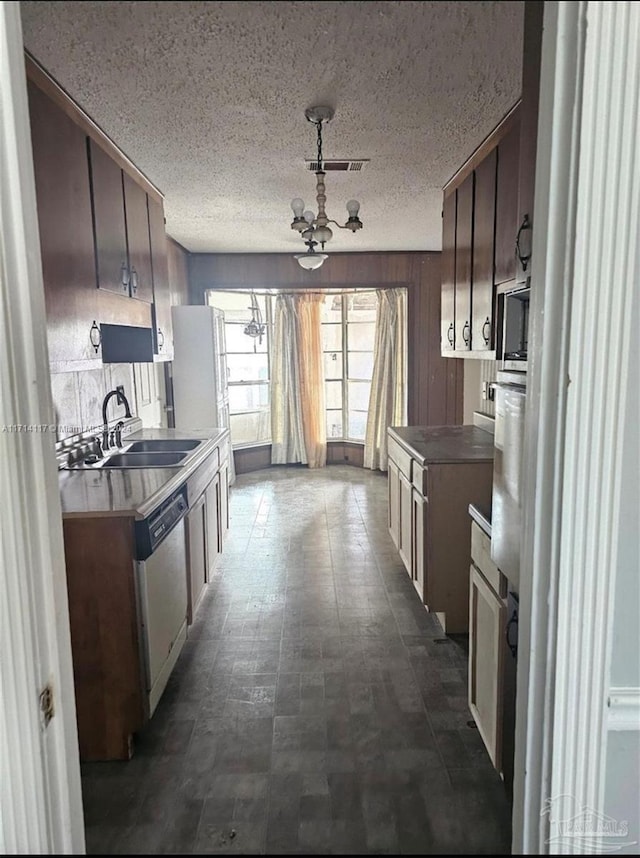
339 166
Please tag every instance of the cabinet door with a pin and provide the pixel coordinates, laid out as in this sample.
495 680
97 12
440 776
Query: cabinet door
419 506
108 221
66 236
447 314
464 255
163 328
487 619
532 49
394 502
197 554
137 217
405 523
507 205
224 502
484 210
213 510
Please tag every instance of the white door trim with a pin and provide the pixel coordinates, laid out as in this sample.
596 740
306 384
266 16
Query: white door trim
40 797
585 263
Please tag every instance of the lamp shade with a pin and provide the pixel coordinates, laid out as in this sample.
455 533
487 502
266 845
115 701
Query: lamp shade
311 261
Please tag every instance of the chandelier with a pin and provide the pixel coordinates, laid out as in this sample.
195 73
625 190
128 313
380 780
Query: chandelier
255 328
314 228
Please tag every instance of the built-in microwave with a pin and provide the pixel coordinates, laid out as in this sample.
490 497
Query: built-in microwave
513 328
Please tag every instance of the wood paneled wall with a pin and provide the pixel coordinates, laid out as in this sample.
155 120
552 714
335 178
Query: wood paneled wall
178 261
435 384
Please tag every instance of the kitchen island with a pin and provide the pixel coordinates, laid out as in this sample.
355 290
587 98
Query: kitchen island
434 474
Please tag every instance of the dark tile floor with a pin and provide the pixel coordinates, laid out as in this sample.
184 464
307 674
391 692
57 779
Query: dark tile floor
316 707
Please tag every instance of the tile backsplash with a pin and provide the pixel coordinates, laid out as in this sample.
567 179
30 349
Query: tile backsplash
476 373
77 397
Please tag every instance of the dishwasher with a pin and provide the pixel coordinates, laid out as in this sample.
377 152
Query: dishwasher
161 584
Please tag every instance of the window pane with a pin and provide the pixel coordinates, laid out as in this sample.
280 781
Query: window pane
332 308
332 338
254 428
362 307
237 307
248 397
360 364
238 341
359 337
357 425
333 394
333 364
334 424
249 367
359 394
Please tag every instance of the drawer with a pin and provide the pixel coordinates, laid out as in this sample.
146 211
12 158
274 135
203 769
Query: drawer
481 556
420 476
400 456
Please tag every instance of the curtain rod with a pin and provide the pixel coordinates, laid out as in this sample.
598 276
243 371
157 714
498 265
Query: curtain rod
315 291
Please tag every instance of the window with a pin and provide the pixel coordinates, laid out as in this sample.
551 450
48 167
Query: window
247 367
348 335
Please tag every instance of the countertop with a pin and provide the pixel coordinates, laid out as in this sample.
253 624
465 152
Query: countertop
445 444
91 492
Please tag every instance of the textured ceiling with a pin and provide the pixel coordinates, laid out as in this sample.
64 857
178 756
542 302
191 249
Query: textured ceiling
208 100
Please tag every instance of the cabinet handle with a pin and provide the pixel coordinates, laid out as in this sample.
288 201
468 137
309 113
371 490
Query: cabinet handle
451 334
523 249
513 621
466 330
124 277
160 339
134 280
95 337
486 327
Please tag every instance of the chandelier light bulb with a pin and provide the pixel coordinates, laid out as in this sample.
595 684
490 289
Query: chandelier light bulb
298 207
353 207
309 216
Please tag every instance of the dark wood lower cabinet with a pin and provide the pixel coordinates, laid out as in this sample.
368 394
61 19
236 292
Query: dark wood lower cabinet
429 523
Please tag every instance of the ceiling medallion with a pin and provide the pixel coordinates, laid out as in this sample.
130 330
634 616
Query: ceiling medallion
313 228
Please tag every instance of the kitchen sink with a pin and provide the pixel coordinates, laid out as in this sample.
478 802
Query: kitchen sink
160 445
143 460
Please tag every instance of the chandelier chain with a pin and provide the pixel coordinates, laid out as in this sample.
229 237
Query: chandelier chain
320 145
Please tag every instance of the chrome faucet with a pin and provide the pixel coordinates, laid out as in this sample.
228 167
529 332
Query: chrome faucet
122 399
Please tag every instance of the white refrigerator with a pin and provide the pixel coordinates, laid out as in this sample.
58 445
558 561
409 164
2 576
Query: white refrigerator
200 378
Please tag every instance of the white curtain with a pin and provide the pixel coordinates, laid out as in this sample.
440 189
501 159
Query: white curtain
388 400
298 424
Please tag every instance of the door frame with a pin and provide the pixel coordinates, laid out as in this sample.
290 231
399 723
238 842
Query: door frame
40 794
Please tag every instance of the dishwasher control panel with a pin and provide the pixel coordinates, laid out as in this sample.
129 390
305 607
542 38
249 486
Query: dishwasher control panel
155 527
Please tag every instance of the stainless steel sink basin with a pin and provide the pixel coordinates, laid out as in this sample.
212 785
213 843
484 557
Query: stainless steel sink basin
162 446
143 460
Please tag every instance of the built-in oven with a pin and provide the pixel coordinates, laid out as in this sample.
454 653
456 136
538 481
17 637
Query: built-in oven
161 580
513 327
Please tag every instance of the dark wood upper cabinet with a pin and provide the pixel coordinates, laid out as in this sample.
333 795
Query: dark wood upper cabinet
108 221
507 205
464 264
161 288
532 53
447 317
66 236
139 257
484 210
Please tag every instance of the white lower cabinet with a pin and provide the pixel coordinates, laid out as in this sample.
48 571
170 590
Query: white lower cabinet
487 644
196 554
